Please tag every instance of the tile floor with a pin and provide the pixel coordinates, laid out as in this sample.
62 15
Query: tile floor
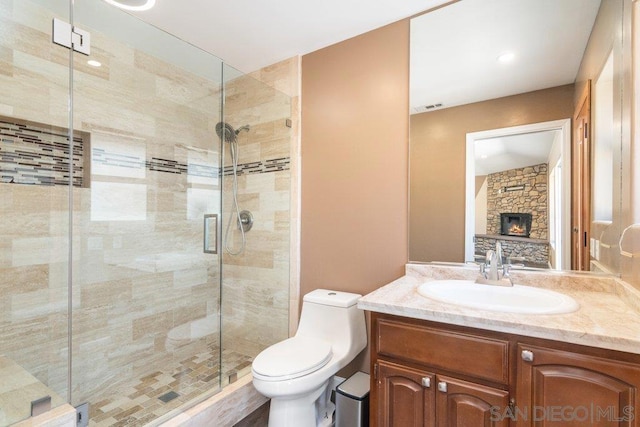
147 398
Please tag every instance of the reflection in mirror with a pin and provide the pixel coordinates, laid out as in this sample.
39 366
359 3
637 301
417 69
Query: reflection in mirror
514 178
461 85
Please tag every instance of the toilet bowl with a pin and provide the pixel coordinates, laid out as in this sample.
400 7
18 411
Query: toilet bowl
295 373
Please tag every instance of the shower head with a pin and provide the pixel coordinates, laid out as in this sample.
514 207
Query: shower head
226 132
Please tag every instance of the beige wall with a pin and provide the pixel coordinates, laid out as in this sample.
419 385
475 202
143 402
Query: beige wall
437 163
354 162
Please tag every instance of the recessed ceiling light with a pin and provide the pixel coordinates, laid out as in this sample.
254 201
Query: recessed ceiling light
506 57
94 63
135 5
484 156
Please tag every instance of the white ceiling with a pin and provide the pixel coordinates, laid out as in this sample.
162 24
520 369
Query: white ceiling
513 152
454 49
249 34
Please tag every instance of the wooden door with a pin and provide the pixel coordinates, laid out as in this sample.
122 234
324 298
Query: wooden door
405 397
462 403
581 183
559 388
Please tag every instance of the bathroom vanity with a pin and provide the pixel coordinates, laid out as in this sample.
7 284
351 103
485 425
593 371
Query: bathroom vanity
437 364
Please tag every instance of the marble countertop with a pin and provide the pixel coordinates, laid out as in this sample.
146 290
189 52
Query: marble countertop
608 317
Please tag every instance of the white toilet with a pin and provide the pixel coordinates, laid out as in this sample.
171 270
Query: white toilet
295 373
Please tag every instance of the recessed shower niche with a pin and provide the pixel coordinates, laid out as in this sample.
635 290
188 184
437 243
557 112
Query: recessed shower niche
37 154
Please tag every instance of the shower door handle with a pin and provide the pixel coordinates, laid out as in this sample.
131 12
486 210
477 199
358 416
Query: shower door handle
210 235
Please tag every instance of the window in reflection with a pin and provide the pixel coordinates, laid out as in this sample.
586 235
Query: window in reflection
603 145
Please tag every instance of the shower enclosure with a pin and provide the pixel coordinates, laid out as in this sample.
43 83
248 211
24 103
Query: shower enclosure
116 290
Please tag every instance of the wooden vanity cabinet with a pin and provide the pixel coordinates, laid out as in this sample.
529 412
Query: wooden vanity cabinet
464 403
436 375
406 394
556 387
432 377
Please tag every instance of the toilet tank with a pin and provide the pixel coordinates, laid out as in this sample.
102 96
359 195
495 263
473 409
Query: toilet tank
333 316
332 298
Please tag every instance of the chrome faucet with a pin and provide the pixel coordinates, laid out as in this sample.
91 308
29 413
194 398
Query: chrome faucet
493 271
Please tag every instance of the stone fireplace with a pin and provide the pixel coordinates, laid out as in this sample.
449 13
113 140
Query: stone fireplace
516 215
519 190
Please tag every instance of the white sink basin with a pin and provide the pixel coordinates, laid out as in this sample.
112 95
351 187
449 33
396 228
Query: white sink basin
514 299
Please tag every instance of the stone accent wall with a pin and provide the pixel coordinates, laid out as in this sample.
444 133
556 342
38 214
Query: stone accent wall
531 253
532 199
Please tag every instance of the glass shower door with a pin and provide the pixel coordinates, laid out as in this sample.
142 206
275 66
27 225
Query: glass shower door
34 208
256 185
146 290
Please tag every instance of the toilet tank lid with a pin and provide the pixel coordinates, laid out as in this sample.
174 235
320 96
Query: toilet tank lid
333 298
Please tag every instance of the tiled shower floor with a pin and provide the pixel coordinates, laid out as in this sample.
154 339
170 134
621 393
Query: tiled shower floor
143 400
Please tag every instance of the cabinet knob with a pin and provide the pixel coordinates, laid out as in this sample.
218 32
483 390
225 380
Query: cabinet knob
527 355
426 382
442 386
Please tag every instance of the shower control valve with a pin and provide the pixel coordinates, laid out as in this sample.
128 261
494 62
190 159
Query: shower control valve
245 220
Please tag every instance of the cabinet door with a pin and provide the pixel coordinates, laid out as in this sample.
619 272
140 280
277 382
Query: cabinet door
461 403
559 388
405 396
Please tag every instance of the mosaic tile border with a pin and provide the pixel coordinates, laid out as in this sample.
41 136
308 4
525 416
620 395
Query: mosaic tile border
38 154
273 165
158 164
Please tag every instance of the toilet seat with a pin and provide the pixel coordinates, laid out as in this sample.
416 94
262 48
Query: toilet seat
291 358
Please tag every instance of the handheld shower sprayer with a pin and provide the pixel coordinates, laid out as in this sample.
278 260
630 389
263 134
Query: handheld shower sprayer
244 219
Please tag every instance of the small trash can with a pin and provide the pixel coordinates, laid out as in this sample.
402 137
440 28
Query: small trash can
352 401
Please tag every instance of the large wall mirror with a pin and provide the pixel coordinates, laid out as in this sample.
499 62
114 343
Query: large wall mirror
495 89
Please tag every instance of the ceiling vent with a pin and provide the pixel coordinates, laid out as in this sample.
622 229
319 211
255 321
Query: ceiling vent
432 106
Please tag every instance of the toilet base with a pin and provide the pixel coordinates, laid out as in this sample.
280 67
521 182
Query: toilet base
303 411
289 413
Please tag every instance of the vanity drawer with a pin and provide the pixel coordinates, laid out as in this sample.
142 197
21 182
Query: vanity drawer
479 357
